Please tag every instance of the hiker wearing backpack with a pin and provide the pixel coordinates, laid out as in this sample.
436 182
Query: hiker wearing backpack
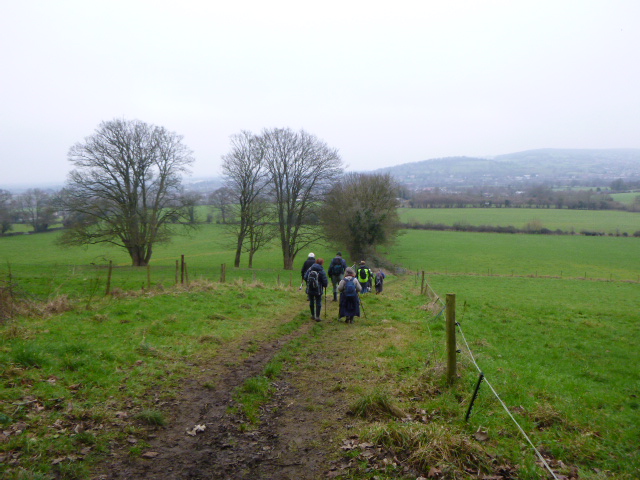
380 276
336 272
365 276
311 259
317 281
349 300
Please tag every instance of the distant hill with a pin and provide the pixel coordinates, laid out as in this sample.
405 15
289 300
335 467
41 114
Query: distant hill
561 167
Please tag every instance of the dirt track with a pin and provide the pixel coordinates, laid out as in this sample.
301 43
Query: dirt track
296 437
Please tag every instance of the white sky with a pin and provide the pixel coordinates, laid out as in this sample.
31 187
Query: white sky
383 82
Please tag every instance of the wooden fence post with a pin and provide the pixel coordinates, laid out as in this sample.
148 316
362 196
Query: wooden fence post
223 272
181 269
422 284
108 291
451 338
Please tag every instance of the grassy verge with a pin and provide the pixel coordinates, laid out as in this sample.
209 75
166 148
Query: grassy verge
563 364
74 382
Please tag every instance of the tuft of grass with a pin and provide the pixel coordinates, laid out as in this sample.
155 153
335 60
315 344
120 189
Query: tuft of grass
253 393
30 356
376 405
147 350
151 417
428 446
272 370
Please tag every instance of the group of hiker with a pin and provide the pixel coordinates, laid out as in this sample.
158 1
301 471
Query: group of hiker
349 282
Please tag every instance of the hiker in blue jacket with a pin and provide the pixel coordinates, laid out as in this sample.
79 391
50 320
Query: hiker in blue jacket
349 300
336 272
317 281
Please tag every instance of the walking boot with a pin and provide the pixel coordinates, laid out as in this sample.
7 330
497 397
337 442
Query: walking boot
335 297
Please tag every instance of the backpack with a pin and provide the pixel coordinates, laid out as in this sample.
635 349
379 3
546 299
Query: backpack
350 287
379 278
336 268
313 284
363 274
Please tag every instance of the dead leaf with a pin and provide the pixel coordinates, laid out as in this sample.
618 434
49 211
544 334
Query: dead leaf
481 435
196 429
150 454
434 472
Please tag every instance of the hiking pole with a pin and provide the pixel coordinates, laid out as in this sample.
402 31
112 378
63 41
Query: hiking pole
300 287
362 306
325 303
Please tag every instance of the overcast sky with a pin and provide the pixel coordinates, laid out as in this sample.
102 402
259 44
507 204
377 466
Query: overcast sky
383 82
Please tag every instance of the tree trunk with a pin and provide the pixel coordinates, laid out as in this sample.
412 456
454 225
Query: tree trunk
236 262
138 257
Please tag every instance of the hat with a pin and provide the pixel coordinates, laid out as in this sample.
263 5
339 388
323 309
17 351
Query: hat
339 254
362 262
312 255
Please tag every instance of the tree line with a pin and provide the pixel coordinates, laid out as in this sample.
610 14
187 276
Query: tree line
535 196
280 185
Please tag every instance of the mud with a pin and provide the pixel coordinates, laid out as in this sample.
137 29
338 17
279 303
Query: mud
289 442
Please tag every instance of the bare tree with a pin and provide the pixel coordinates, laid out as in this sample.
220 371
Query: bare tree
222 200
126 187
260 231
360 212
301 168
36 208
6 202
191 200
246 180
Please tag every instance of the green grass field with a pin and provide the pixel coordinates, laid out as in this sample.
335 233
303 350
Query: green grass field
559 347
627 198
605 258
553 219
42 268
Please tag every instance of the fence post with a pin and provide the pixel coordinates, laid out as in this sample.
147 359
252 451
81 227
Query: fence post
422 284
109 278
223 272
182 269
451 338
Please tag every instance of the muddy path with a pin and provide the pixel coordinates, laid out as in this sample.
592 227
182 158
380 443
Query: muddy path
297 436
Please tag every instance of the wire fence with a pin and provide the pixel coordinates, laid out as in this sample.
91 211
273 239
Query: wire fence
428 291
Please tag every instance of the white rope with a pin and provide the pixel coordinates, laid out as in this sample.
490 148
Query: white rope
473 360
505 407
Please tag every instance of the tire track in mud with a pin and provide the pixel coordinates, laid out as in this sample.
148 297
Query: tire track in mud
288 443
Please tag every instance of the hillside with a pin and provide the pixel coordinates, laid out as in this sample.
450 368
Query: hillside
556 166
